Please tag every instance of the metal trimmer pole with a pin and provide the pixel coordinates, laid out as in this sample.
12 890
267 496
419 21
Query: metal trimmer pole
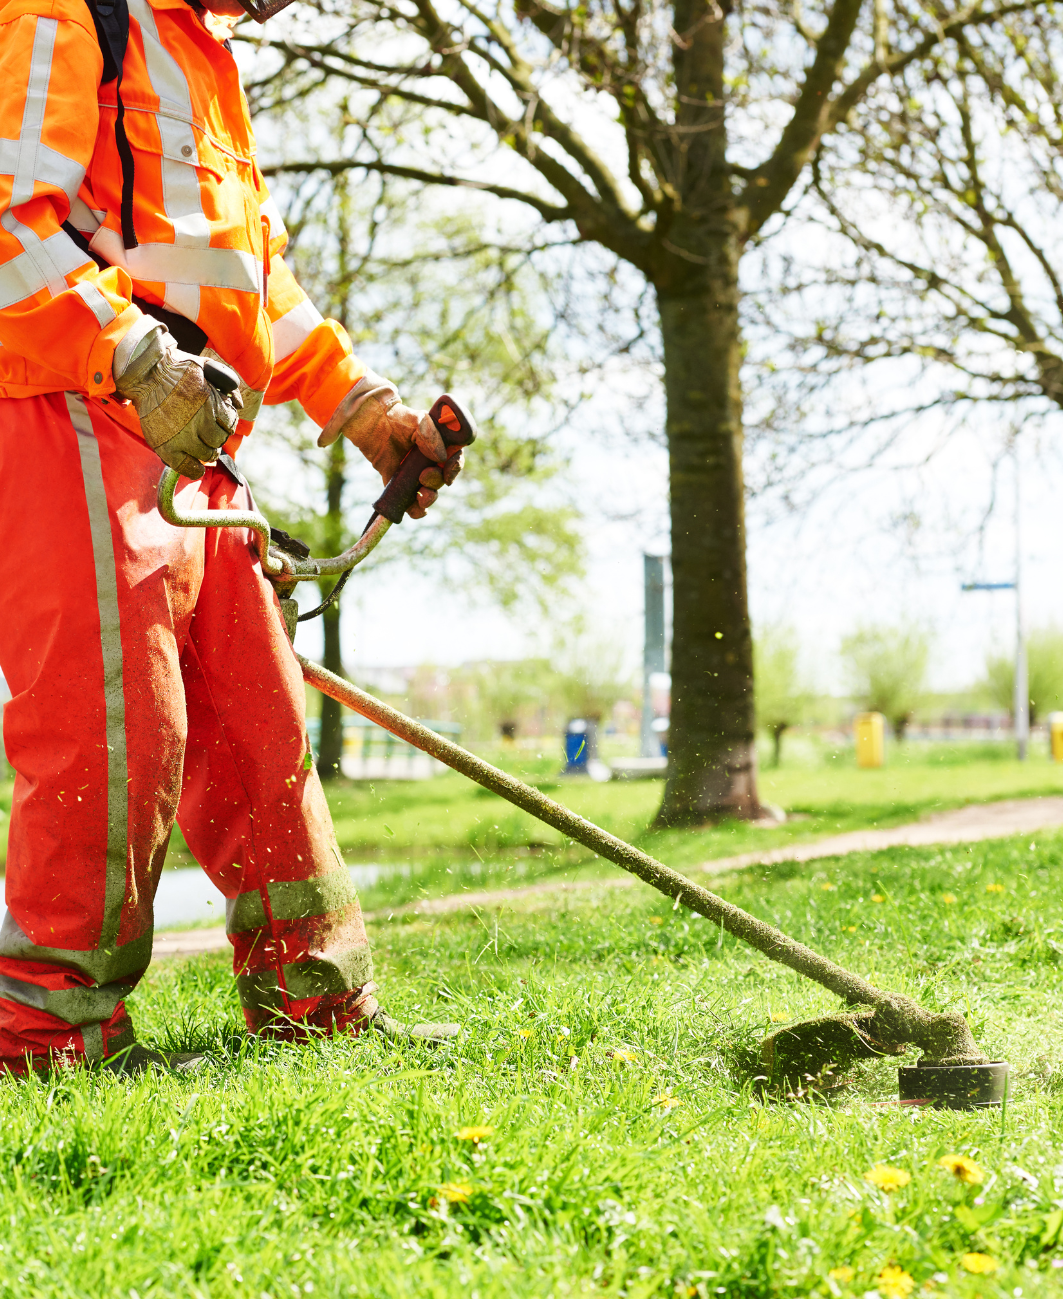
902 1020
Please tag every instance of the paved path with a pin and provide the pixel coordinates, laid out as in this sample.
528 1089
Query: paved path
961 825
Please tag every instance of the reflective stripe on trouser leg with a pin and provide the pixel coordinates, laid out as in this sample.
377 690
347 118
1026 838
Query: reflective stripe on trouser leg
92 807
252 808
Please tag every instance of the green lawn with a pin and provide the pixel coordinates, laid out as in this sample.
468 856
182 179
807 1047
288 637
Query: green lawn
448 834
608 1052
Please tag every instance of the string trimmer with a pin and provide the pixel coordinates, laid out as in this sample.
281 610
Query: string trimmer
795 1058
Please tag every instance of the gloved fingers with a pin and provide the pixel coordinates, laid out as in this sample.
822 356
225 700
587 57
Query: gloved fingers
431 478
425 498
455 464
225 408
177 457
427 438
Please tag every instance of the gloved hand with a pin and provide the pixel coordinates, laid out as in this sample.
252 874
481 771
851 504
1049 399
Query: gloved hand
373 417
185 420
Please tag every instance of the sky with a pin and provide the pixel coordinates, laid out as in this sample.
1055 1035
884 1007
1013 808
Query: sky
842 562
888 542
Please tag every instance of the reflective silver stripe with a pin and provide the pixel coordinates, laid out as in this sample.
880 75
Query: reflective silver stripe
29 136
85 218
111 646
182 203
42 266
96 302
291 900
92 1041
221 268
100 964
244 912
45 263
292 330
319 977
272 212
50 167
73 1005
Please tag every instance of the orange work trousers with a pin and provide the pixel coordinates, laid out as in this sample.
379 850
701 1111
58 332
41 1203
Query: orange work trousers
151 677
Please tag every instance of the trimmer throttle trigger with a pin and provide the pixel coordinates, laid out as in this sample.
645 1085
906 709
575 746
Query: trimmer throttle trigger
457 429
220 376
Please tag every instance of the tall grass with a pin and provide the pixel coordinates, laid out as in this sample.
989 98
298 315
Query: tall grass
595 1130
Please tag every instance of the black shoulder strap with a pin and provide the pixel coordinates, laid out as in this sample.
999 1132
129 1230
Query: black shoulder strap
111 20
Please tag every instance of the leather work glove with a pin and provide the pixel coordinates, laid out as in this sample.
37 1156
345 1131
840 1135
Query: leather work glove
251 397
185 420
373 417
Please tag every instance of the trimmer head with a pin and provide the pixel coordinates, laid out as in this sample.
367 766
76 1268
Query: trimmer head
813 1056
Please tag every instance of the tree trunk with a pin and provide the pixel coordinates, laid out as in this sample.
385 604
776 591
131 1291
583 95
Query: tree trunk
330 743
711 756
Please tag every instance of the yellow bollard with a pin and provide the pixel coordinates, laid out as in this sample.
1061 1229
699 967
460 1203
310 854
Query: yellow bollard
869 731
1055 732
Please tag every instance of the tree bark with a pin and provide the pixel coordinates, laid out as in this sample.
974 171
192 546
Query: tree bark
330 742
711 756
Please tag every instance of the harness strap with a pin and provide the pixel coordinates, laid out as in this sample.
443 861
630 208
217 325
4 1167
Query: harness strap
111 20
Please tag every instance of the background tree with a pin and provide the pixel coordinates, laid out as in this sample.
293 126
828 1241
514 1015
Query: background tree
781 692
951 200
887 669
1044 657
436 320
669 136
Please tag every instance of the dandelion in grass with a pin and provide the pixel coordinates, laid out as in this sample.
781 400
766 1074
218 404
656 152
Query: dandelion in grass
948 898
995 888
877 897
963 1168
894 1282
524 1032
455 1192
827 886
656 920
887 1178
627 1057
780 1017
667 1102
844 1273
474 1134
978 1263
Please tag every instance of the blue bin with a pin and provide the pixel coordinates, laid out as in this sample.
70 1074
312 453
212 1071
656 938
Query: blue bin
576 748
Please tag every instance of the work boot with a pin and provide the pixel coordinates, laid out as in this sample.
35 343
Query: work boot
430 1034
136 1059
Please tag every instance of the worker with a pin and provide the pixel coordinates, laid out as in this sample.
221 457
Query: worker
150 672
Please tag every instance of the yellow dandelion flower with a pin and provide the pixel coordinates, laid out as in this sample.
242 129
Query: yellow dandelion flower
963 1168
894 1282
620 1054
524 1032
474 1134
844 1273
656 920
826 886
667 1101
887 1178
851 929
877 897
780 1017
456 1192
995 888
978 1263
948 898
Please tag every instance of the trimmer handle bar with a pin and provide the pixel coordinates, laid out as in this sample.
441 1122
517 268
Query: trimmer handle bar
457 428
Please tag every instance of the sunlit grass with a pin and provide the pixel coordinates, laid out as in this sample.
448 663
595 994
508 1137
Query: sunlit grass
609 1044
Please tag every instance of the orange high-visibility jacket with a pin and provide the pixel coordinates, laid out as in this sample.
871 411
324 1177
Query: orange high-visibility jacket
210 237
